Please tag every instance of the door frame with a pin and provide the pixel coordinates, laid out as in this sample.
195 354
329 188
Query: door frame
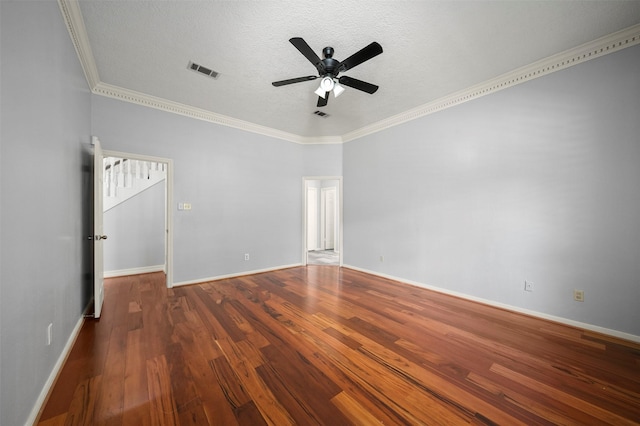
340 217
168 217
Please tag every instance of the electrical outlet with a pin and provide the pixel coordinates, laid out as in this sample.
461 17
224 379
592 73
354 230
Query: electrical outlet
49 334
187 206
246 256
528 286
578 295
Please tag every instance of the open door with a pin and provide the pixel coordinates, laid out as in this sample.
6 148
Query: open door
312 218
98 237
328 218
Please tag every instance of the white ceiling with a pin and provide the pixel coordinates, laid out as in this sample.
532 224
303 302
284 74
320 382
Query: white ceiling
432 49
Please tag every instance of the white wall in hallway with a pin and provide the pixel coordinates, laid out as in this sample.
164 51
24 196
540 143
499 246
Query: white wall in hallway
136 230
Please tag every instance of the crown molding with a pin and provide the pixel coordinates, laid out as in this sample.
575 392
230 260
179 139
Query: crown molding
321 140
77 31
139 98
594 49
132 96
75 25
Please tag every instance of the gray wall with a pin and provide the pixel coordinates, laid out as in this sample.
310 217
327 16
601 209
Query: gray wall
537 182
135 230
245 189
44 188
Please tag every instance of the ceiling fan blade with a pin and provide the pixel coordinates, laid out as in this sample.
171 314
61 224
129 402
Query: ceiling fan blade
294 80
358 84
323 101
308 53
364 54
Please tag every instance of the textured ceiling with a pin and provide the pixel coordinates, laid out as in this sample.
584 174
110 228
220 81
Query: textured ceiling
431 49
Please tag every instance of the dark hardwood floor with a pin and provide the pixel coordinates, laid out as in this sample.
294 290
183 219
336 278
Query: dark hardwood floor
333 346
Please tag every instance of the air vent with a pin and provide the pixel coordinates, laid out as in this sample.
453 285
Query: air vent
203 70
321 114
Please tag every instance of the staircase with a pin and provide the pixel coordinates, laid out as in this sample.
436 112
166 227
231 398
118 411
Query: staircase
125 178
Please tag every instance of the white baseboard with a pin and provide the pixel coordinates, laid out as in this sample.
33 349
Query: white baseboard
134 271
566 321
42 398
238 274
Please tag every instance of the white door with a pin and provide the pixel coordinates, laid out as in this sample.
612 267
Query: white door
98 237
312 218
329 217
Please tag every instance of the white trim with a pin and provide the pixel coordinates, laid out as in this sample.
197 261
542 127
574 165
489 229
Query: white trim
585 52
75 25
112 202
168 203
169 225
44 393
561 320
134 271
202 114
602 46
131 156
235 275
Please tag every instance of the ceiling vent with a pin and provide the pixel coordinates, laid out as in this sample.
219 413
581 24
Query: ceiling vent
321 114
203 70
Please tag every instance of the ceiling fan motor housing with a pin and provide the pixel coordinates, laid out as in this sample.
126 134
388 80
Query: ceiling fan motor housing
329 65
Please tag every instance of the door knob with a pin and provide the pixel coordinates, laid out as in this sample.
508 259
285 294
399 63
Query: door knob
101 237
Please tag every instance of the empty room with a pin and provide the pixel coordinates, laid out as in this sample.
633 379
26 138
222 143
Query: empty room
355 212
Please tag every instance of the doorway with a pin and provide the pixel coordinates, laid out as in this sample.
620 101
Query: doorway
322 220
162 200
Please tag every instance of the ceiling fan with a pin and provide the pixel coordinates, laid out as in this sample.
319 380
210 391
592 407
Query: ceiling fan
329 68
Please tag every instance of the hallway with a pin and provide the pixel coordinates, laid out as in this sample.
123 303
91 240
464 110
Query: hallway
323 257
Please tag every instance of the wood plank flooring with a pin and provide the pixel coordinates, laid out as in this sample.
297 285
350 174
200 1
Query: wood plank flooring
333 346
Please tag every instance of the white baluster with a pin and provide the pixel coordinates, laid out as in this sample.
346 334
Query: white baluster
105 175
114 177
109 178
123 163
128 180
120 171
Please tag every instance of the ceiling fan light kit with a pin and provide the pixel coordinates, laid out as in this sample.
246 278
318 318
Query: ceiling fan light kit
327 84
329 68
337 89
321 92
